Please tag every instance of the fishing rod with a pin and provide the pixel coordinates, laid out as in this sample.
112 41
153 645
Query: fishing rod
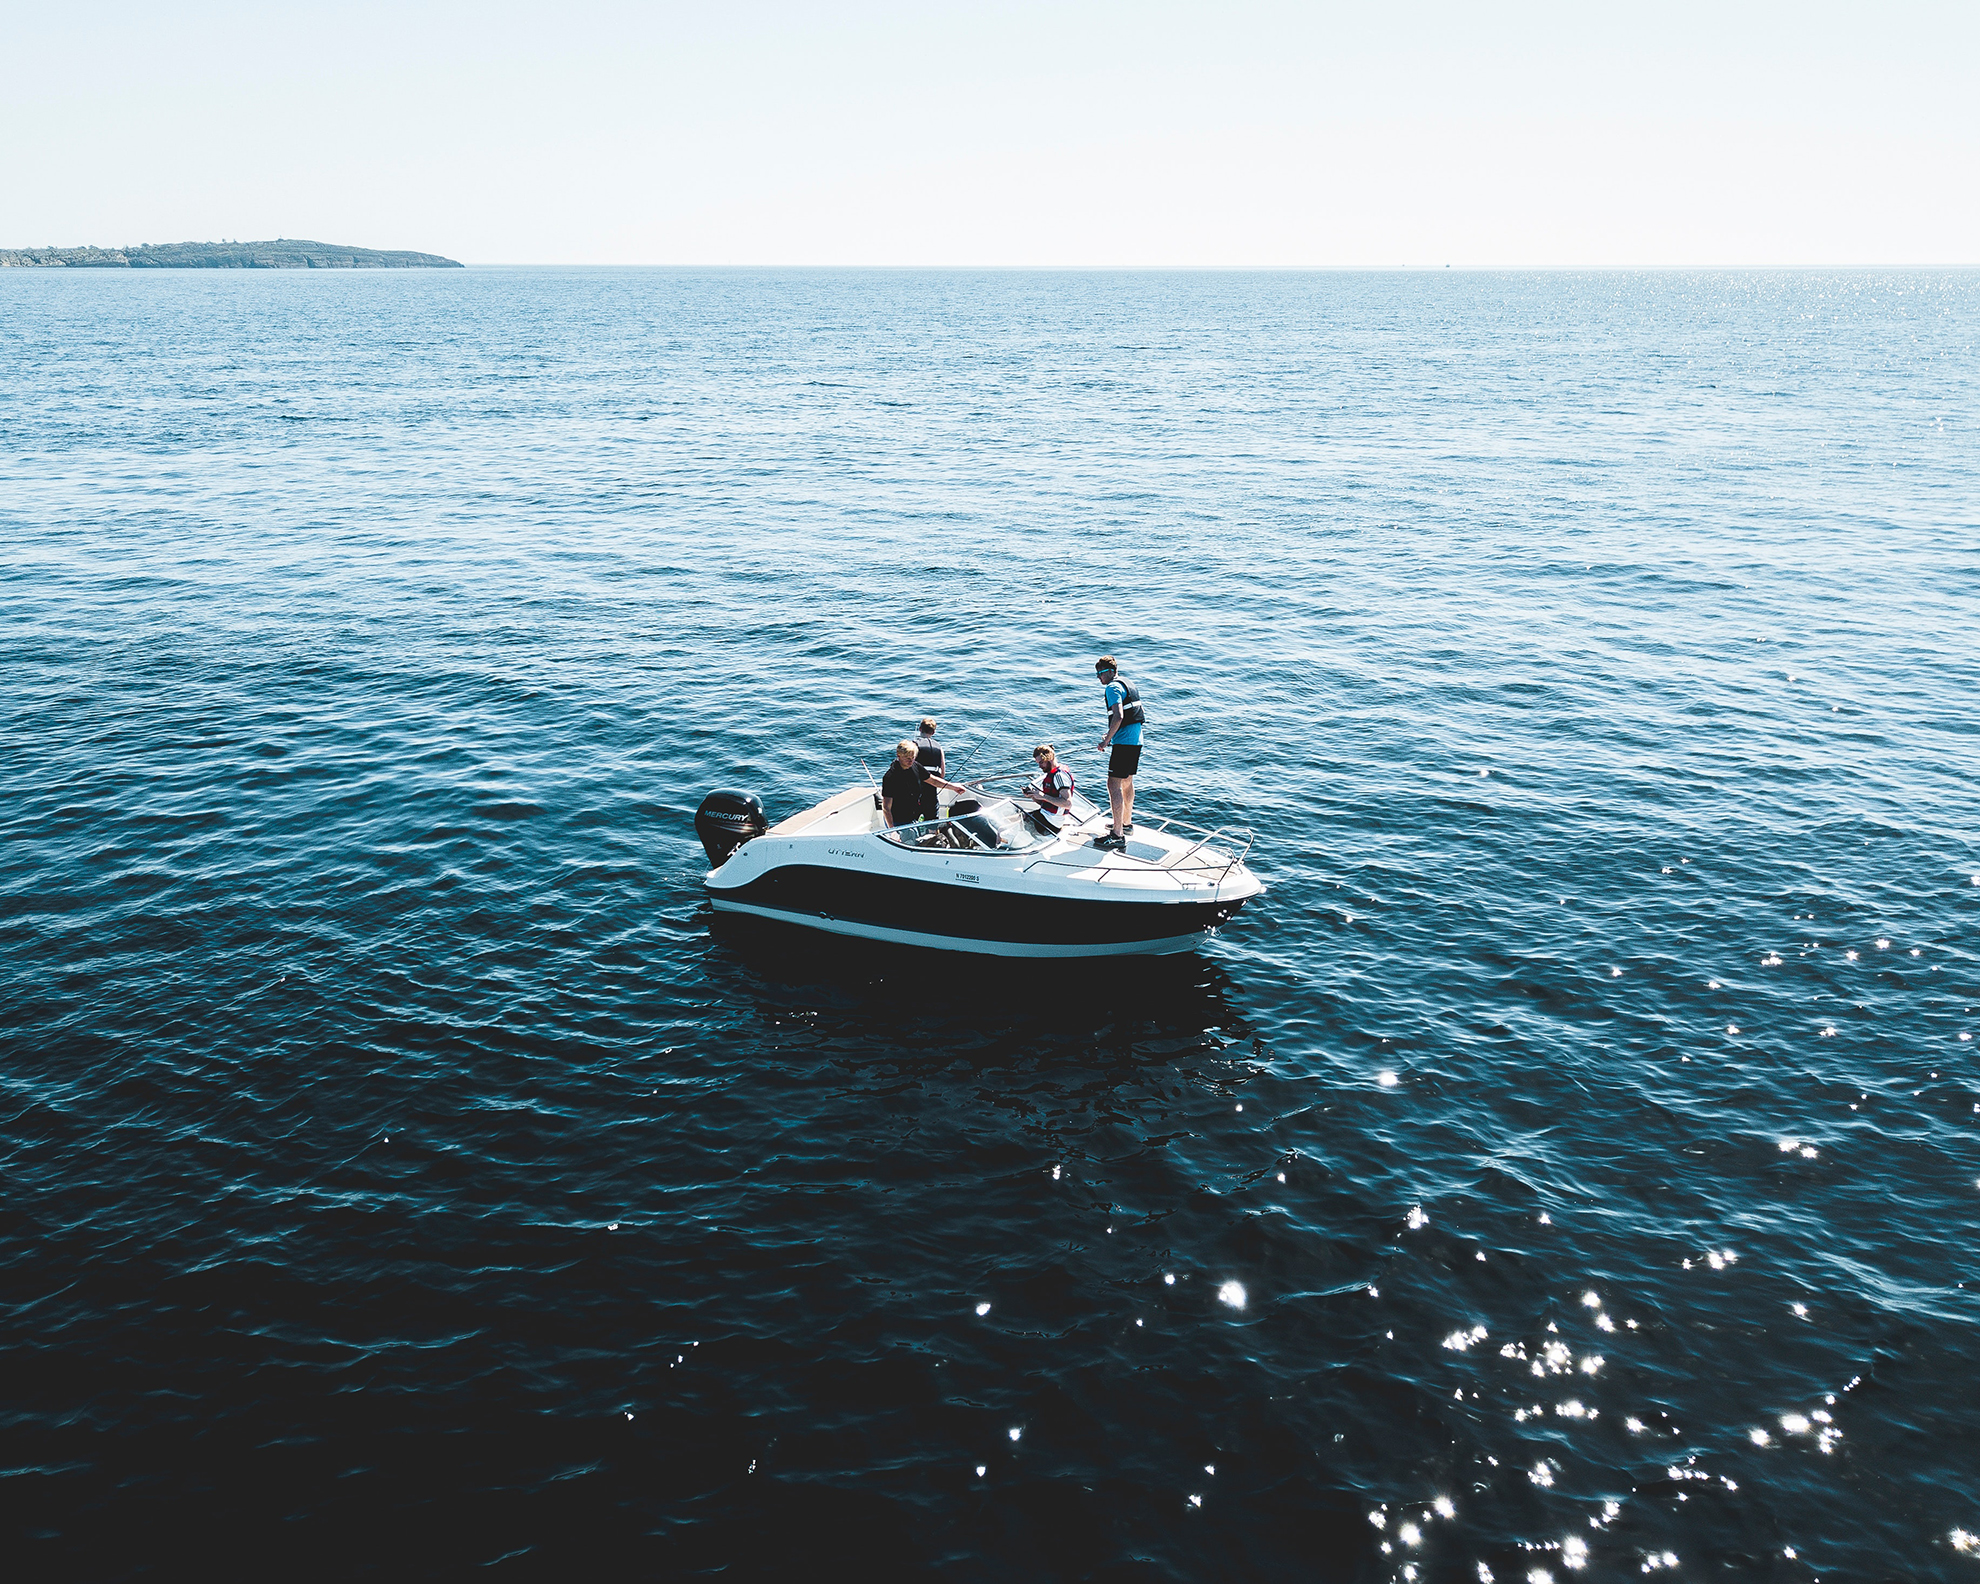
965 764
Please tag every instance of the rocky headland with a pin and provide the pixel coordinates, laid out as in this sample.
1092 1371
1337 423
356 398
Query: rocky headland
282 253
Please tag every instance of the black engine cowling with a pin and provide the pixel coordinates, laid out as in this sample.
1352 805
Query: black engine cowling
725 821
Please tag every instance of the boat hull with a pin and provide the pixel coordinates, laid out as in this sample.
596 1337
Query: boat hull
987 884
984 948
954 918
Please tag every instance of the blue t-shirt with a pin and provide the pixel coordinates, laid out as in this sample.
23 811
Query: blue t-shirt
1127 736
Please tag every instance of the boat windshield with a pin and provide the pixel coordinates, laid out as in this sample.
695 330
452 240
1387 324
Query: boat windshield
998 826
1001 827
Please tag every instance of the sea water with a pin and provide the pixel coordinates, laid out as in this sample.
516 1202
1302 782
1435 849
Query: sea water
1573 1159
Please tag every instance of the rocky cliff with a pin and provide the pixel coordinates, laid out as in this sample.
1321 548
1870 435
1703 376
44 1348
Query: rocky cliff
283 253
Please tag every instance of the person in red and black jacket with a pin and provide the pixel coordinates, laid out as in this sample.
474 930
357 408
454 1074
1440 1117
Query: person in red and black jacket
1054 791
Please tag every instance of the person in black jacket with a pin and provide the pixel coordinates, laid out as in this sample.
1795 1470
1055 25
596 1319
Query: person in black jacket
901 786
928 754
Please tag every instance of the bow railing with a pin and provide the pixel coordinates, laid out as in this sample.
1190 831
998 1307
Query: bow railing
1202 861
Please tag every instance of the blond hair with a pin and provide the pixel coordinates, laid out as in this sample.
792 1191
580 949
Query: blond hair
928 724
908 746
1044 748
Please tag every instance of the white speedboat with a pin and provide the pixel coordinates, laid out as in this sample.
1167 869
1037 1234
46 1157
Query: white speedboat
991 877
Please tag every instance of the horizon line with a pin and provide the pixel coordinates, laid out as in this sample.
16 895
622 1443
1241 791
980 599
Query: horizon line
1285 269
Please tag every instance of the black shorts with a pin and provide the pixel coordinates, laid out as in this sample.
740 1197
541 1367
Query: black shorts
1126 759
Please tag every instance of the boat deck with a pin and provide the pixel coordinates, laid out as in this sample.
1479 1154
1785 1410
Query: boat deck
1154 856
847 813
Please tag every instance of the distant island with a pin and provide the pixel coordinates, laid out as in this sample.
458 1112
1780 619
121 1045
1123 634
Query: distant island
282 253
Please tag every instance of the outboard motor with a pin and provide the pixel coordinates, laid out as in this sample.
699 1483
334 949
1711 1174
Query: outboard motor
725 821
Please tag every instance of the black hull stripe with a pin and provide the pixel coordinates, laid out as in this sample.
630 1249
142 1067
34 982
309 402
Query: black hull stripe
965 912
957 943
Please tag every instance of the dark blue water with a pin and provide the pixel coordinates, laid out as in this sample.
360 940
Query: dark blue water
403 1176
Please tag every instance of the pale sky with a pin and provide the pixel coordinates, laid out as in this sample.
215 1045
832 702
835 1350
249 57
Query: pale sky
1248 134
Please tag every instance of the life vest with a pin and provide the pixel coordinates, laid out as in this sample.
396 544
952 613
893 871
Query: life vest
1132 713
1047 813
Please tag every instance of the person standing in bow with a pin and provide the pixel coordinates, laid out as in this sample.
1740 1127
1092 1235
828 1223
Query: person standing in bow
1124 722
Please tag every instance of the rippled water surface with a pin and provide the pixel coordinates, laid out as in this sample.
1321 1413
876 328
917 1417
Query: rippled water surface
1569 1167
